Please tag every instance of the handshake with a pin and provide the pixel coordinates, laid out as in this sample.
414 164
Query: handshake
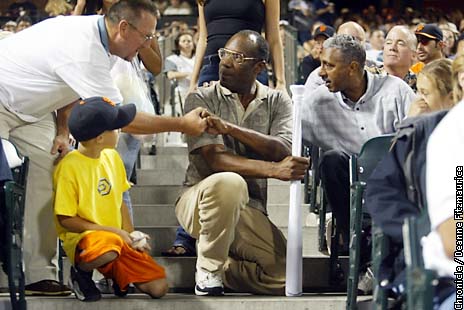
200 120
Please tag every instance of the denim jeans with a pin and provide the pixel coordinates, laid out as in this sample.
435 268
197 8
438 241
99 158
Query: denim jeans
185 240
128 148
210 71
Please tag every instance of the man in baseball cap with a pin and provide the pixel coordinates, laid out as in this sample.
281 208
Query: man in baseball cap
311 61
430 45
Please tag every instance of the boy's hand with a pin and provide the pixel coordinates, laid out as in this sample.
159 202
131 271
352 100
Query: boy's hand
125 236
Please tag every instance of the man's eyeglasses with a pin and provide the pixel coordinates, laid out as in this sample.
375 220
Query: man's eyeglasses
424 40
237 57
147 37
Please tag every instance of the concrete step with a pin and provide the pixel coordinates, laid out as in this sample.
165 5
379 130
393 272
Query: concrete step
162 238
164 215
278 193
188 301
181 272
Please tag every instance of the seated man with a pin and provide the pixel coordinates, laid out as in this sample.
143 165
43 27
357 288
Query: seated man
340 116
224 205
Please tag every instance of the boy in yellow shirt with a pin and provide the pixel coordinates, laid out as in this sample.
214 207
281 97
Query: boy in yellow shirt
91 217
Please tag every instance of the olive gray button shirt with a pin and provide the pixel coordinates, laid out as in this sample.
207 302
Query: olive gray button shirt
270 113
333 122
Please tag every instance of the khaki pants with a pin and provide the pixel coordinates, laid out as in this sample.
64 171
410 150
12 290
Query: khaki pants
35 140
238 241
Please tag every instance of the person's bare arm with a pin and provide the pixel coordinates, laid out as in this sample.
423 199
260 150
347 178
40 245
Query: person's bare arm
127 224
200 48
275 43
61 141
79 8
219 160
447 232
177 75
151 57
271 148
191 123
77 224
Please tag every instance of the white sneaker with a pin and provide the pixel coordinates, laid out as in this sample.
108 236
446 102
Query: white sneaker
208 284
366 282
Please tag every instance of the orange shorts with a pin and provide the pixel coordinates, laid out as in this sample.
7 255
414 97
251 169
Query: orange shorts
131 266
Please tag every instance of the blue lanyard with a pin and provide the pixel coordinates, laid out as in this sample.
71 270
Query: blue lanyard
103 34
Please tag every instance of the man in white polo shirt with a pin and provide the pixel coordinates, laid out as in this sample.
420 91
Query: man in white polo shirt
46 68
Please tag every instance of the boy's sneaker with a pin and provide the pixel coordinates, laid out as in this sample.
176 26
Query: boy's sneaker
208 284
83 286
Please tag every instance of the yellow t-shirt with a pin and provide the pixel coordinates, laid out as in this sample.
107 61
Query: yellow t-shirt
91 189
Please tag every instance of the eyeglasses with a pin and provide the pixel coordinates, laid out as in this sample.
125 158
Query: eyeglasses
424 40
237 57
147 37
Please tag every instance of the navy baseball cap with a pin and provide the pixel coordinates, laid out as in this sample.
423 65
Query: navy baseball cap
93 116
325 31
430 31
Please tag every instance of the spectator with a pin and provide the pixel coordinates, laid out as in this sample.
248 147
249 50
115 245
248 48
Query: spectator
340 116
23 23
450 35
224 206
71 60
179 66
348 28
312 61
10 26
218 22
178 7
434 86
399 54
325 11
458 78
22 7
444 179
376 41
396 188
91 217
430 45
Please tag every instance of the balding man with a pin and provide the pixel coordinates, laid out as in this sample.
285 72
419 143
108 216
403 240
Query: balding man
353 106
430 45
71 59
224 206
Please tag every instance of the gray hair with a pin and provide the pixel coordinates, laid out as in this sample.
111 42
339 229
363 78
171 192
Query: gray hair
412 39
351 48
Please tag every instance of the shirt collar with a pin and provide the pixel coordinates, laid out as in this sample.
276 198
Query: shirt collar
260 91
346 102
103 34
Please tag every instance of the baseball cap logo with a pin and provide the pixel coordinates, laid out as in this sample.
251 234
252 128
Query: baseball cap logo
105 99
420 27
322 28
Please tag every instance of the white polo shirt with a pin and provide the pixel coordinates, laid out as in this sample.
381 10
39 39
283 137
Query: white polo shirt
53 63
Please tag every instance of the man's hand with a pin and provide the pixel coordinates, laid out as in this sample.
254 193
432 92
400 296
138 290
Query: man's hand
217 126
124 235
291 168
194 123
60 146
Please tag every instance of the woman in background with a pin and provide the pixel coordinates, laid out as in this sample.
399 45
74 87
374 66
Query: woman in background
218 20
